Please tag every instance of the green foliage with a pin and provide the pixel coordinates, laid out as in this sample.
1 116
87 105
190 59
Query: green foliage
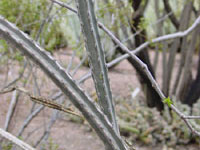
7 146
18 57
28 15
58 39
3 46
168 101
143 24
101 76
51 145
3 51
23 12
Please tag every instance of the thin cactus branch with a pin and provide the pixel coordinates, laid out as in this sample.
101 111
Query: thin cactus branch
144 67
97 59
144 45
15 140
44 21
11 110
42 58
18 78
147 72
157 40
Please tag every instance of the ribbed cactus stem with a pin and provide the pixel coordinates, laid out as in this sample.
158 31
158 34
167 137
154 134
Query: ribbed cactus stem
97 59
62 79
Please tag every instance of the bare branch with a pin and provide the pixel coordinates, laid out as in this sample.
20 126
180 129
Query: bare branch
44 21
149 75
172 17
11 110
156 40
144 45
64 5
192 117
15 140
19 76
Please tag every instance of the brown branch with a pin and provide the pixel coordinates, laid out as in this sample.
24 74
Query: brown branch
42 100
172 17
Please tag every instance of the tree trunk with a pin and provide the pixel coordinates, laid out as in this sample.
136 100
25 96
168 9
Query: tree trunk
194 91
152 98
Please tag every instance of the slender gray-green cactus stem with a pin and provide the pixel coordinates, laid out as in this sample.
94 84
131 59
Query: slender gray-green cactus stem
96 59
91 112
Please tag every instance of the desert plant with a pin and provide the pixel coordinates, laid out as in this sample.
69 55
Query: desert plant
101 117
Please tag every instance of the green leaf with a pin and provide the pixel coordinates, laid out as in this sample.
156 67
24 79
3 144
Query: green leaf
18 57
168 101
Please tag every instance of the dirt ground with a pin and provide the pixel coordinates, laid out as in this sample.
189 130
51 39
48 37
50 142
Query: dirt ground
69 135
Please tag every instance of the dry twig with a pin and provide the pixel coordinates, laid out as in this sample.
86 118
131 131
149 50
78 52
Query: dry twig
42 100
